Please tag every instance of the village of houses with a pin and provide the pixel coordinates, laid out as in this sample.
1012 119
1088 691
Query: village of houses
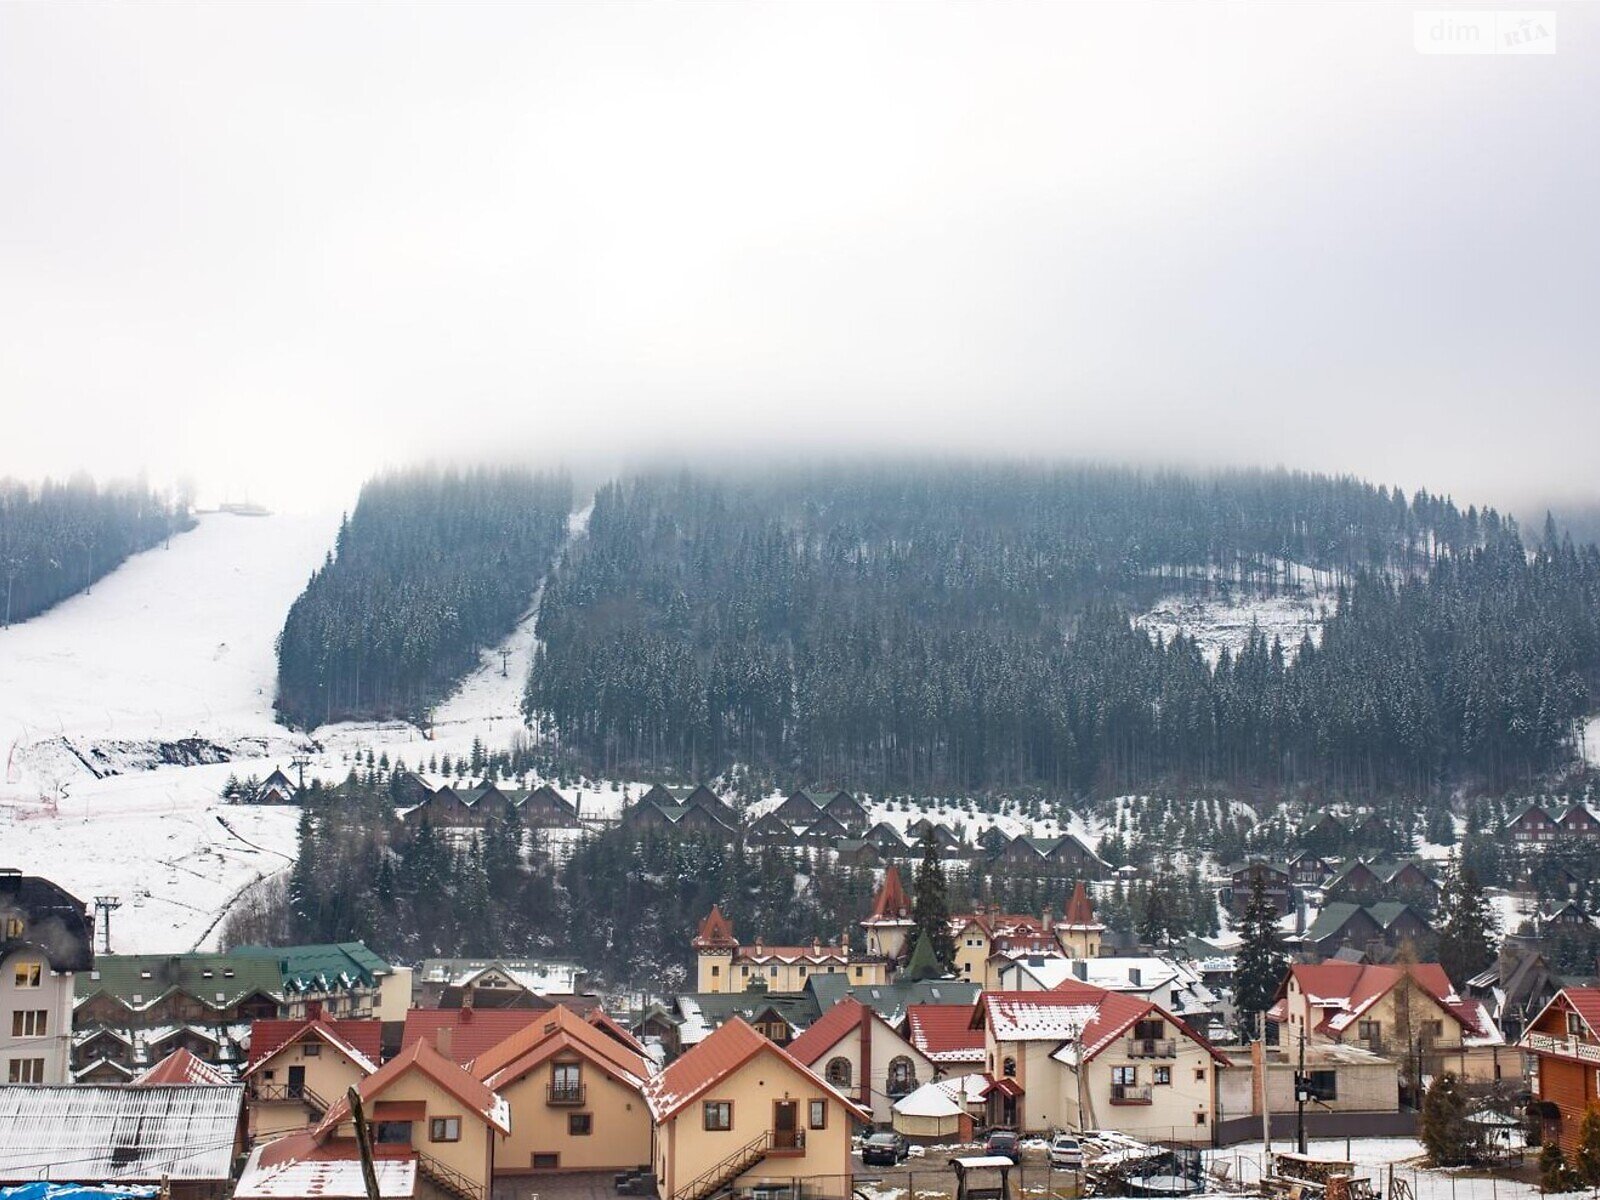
325 1071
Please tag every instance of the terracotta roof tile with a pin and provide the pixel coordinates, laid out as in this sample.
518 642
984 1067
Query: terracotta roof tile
560 1028
829 1029
471 1030
180 1067
944 1032
363 1038
420 1056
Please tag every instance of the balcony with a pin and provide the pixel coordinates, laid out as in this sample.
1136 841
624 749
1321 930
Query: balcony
1130 1093
1569 1047
558 1094
1151 1048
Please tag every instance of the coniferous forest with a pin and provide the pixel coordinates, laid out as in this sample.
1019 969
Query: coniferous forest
58 538
430 567
969 628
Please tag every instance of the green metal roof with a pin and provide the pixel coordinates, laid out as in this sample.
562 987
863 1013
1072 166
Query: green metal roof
320 968
140 978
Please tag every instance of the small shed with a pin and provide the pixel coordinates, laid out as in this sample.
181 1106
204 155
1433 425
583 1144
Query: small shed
942 1109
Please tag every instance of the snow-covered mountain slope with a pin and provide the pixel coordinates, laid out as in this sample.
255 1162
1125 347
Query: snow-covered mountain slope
176 643
170 657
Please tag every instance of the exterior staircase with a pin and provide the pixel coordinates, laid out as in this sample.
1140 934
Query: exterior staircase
726 1171
448 1180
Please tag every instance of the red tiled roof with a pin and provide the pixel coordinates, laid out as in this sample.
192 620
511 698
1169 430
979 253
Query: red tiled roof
420 1056
1080 910
268 1037
1076 1011
829 1029
715 931
944 1032
559 1029
180 1067
1586 1002
1349 989
733 1044
891 903
471 1030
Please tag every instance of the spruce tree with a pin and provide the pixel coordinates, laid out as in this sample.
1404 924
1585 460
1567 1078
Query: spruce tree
1445 1131
1586 1160
1261 962
923 963
930 907
1466 924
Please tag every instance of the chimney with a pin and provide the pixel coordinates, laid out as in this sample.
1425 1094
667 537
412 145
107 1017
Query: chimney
1135 976
1080 969
443 1042
466 998
816 946
1048 923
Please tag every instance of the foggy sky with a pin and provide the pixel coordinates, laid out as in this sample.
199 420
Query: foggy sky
277 247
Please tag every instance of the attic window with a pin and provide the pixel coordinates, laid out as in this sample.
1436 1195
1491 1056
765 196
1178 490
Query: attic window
227 972
144 974
207 974
221 997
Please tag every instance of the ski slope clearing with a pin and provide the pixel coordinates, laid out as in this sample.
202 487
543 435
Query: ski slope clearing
1225 623
175 644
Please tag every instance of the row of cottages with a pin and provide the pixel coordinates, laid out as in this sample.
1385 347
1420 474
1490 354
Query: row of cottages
1064 855
132 1010
1537 825
1081 1057
1331 833
1564 1040
463 805
1363 882
46 945
1409 1013
497 983
1376 932
802 810
691 810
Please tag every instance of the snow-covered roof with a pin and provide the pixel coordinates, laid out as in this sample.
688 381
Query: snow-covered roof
943 1097
92 1133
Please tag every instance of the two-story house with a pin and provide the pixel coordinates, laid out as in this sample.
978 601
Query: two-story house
1083 1057
1564 1039
46 941
739 1111
575 1092
297 1069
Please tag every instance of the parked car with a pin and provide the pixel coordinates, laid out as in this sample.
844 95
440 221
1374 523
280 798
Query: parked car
1066 1152
1003 1142
884 1149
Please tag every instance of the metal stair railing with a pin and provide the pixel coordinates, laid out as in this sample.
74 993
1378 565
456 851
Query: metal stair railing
287 1091
726 1171
450 1179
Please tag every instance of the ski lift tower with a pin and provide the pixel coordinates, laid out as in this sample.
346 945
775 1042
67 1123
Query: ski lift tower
104 906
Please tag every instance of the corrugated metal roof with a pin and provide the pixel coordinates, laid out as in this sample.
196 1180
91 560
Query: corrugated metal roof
90 1133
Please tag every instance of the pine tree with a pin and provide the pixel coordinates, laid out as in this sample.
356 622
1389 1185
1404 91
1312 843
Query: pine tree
1466 924
1586 1160
930 907
1261 962
1445 1131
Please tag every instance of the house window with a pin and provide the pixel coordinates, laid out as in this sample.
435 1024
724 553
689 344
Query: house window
1574 1023
546 1162
444 1129
580 1124
28 975
858 972
26 1070
718 1115
1323 1085
1199 1074
1199 1118
28 1024
902 1077
1009 1068
1149 1031
819 1114
1163 1075
1436 1028
1124 1076
1369 1031
744 972
394 1133
13 928
773 971
311 1050
839 1072
715 971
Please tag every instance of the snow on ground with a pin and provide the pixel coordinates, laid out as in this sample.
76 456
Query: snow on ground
1373 1158
1591 741
1225 622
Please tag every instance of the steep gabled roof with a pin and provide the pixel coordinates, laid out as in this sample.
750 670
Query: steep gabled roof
890 906
1075 1013
1346 990
180 1067
424 1059
828 1030
720 1055
716 931
560 1029
1080 910
359 1041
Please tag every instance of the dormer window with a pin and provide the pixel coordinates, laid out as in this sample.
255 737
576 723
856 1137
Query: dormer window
1574 1024
14 928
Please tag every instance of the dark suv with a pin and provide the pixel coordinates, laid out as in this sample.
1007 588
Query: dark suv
883 1149
1003 1142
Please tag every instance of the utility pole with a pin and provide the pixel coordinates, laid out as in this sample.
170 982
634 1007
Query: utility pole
369 1173
1266 1104
505 662
1301 1093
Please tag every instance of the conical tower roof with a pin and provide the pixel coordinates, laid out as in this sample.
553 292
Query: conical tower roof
716 932
1080 910
890 906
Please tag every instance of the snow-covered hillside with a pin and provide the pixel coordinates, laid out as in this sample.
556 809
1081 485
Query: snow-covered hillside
1224 622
